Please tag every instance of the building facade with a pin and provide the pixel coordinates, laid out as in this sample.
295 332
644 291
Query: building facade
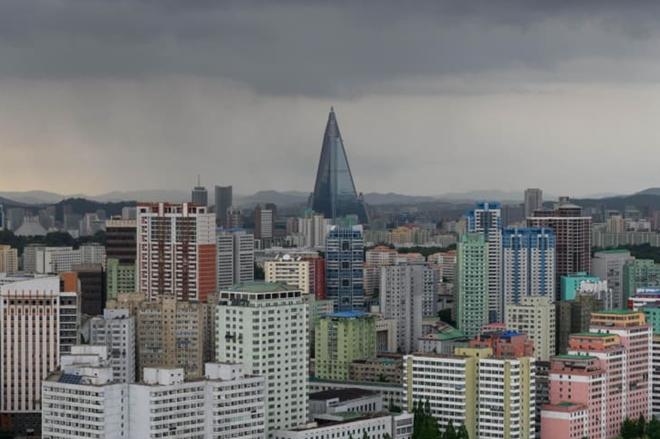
486 219
264 326
573 237
344 268
341 338
472 283
235 257
291 271
176 251
528 264
535 316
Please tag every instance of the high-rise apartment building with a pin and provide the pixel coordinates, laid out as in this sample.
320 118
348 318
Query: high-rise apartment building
235 257
608 265
446 262
639 273
264 326
472 283
486 218
38 322
116 330
344 267
313 228
572 236
264 222
316 265
334 193
172 333
535 316
92 253
533 201
223 201
83 400
574 316
491 396
375 258
528 264
604 379
8 259
121 253
402 299
199 195
341 338
90 279
176 252
292 271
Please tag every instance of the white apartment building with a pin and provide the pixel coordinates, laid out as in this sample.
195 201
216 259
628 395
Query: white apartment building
446 261
608 266
402 299
92 253
176 251
314 229
37 323
83 400
492 397
536 317
294 272
235 261
265 327
45 260
655 376
375 426
116 330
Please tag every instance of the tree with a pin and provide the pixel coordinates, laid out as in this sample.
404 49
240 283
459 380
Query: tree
629 429
641 426
365 435
462 432
450 431
653 429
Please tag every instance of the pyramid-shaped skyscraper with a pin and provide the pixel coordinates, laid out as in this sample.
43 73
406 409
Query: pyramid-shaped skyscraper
334 192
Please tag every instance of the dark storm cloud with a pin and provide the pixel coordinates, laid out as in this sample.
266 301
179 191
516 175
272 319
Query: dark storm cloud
432 96
313 47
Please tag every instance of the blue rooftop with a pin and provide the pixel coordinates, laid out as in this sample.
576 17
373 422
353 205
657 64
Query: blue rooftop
348 314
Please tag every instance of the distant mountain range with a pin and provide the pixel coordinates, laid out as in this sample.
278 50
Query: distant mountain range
299 198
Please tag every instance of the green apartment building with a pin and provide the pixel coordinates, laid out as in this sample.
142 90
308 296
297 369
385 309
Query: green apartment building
639 273
341 338
472 283
120 278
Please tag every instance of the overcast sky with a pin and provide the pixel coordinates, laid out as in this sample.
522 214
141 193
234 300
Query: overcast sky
449 96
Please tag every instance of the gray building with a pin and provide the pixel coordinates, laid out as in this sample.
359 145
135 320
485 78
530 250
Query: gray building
199 195
235 257
223 201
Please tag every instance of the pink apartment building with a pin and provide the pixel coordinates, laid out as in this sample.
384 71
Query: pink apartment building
604 379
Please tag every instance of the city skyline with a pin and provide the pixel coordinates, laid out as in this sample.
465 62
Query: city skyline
220 88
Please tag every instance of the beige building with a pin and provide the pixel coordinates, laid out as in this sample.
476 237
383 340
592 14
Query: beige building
293 271
535 316
379 256
377 370
169 333
8 259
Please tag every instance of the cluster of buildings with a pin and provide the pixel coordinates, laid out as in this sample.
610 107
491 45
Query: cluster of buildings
165 331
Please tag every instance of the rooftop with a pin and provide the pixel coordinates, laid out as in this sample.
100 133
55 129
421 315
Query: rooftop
617 312
348 314
574 357
593 334
342 394
260 287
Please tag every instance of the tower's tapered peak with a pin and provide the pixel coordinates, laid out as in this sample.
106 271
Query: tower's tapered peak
334 192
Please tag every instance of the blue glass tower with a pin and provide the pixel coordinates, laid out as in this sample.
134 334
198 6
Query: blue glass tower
334 193
344 267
